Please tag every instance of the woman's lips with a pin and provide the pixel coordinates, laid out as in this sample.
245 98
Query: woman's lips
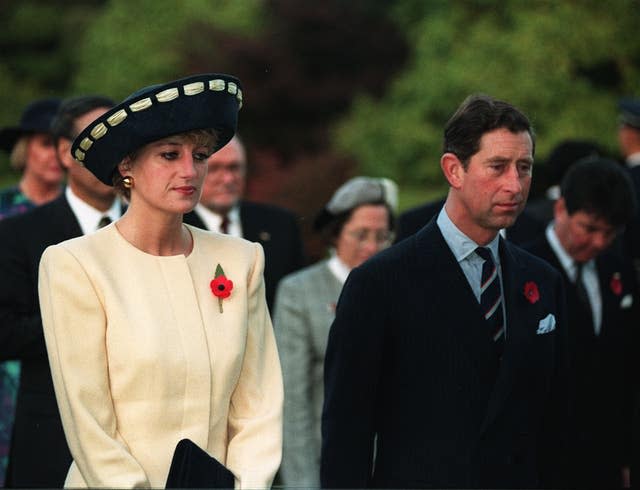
185 189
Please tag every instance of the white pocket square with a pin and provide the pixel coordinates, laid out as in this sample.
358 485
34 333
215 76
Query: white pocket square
627 301
547 324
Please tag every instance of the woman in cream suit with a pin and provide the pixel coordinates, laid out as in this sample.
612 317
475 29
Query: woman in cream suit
157 331
357 221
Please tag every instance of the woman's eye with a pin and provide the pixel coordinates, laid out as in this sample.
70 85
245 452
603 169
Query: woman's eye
170 155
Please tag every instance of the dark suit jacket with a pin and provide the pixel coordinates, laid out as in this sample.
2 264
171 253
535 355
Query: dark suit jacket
602 390
409 361
526 227
277 230
39 456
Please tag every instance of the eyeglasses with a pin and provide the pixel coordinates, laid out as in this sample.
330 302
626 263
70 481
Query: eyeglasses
363 235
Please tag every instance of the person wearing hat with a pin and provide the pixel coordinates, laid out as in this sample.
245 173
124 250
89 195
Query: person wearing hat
32 153
629 131
357 222
38 455
158 331
446 361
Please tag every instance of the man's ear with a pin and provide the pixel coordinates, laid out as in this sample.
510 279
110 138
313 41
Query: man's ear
63 152
559 208
452 169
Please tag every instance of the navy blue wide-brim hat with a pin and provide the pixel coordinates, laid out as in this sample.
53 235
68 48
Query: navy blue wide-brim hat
36 118
206 101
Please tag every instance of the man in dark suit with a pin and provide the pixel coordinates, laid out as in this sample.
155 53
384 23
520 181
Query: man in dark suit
222 209
39 456
426 384
597 201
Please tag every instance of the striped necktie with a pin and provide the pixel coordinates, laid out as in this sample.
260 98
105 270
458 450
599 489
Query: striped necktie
491 297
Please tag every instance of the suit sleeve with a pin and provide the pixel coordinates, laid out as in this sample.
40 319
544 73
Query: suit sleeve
351 379
301 455
74 323
255 416
20 325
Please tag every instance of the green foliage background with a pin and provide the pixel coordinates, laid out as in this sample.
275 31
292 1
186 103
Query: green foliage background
564 63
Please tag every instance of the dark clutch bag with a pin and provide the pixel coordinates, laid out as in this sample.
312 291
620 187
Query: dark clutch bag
192 467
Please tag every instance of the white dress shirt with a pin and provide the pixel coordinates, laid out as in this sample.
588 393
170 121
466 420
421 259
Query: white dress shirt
89 217
213 220
338 268
589 276
463 249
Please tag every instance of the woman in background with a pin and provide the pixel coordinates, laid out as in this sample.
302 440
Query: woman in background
158 331
32 153
357 222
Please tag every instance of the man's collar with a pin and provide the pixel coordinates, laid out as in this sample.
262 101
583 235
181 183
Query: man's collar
460 244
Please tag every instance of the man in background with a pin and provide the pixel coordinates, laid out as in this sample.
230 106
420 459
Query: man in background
39 456
596 202
222 209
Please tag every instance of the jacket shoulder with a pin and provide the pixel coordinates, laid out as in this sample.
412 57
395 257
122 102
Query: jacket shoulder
266 210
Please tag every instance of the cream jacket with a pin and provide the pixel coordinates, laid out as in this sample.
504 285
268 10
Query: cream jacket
141 357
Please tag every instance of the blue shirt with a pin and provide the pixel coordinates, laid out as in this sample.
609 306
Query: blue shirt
463 249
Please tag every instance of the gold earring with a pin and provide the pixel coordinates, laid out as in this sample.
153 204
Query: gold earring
127 182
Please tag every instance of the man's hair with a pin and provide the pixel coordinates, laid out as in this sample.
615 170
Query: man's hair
63 124
480 114
601 187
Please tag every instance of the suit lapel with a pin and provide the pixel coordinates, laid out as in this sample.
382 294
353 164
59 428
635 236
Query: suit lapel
434 259
64 223
250 228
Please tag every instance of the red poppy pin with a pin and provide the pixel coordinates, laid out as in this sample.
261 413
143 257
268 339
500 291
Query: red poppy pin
616 284
221 287
531 292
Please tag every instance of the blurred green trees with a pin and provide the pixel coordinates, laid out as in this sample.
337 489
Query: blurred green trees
334 88
563 63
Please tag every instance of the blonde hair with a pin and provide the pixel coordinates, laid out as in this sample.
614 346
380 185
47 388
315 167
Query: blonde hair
18 157
198 137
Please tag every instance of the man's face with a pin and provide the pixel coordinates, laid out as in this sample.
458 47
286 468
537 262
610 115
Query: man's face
583 235
493 189
224 184
85 184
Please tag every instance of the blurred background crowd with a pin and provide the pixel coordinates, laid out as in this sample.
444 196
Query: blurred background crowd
332 88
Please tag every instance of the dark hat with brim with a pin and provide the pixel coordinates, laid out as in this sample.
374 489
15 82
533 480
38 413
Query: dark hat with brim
36 118
207 101
630 112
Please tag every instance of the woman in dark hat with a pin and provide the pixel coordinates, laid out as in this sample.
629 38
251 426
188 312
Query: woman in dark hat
357 222
158 331
32 153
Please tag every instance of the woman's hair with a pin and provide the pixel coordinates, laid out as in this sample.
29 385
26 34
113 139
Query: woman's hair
199 137
18 157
